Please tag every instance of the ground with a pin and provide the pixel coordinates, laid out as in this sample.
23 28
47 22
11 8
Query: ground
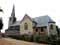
9 41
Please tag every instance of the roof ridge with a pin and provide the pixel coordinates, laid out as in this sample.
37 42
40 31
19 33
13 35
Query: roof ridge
40 16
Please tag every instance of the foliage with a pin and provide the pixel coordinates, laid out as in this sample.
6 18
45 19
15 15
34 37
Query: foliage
36 38
41 38
26 37
14 37
32 38
1 24
53 40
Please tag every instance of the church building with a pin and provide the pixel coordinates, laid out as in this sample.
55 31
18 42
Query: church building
42 25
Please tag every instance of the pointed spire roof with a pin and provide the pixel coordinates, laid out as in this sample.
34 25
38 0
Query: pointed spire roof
13 11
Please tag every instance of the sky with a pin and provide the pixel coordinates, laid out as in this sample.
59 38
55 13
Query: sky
34 8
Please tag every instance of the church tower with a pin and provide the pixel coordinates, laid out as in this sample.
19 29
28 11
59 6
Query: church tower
12 18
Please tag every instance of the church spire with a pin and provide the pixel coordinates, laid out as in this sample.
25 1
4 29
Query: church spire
13 11
12 18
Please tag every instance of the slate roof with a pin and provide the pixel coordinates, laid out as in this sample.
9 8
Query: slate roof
42 20
38 21
17 23
12 32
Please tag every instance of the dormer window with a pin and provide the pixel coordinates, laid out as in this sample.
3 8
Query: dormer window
25 26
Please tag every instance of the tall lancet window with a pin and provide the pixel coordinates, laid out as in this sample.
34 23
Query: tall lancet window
25 26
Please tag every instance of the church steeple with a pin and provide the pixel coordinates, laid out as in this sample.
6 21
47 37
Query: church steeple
13 11
12 18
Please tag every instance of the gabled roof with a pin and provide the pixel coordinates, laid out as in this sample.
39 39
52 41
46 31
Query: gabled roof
17 23
37 21
42 20
26 15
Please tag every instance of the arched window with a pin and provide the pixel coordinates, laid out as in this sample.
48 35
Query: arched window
25 26
36 30
42 29
51 26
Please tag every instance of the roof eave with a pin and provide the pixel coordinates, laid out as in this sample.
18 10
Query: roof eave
51 22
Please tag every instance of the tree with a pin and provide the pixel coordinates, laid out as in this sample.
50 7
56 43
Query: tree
1 24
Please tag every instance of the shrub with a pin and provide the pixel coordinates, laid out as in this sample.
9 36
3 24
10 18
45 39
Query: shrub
28 37
21 37
58 41
14 37
36 38
52 40
24 37
41 38
31 38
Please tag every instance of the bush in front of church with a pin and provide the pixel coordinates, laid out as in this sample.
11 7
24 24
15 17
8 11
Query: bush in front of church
26 37
52 40
14 37
40 38
36 38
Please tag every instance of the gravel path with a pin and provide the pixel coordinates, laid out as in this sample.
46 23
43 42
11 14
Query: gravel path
8 41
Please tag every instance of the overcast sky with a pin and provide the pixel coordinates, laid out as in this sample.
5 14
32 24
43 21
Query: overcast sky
33 8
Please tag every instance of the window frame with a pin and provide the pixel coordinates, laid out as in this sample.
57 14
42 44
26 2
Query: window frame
42 30
51 26
25 26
